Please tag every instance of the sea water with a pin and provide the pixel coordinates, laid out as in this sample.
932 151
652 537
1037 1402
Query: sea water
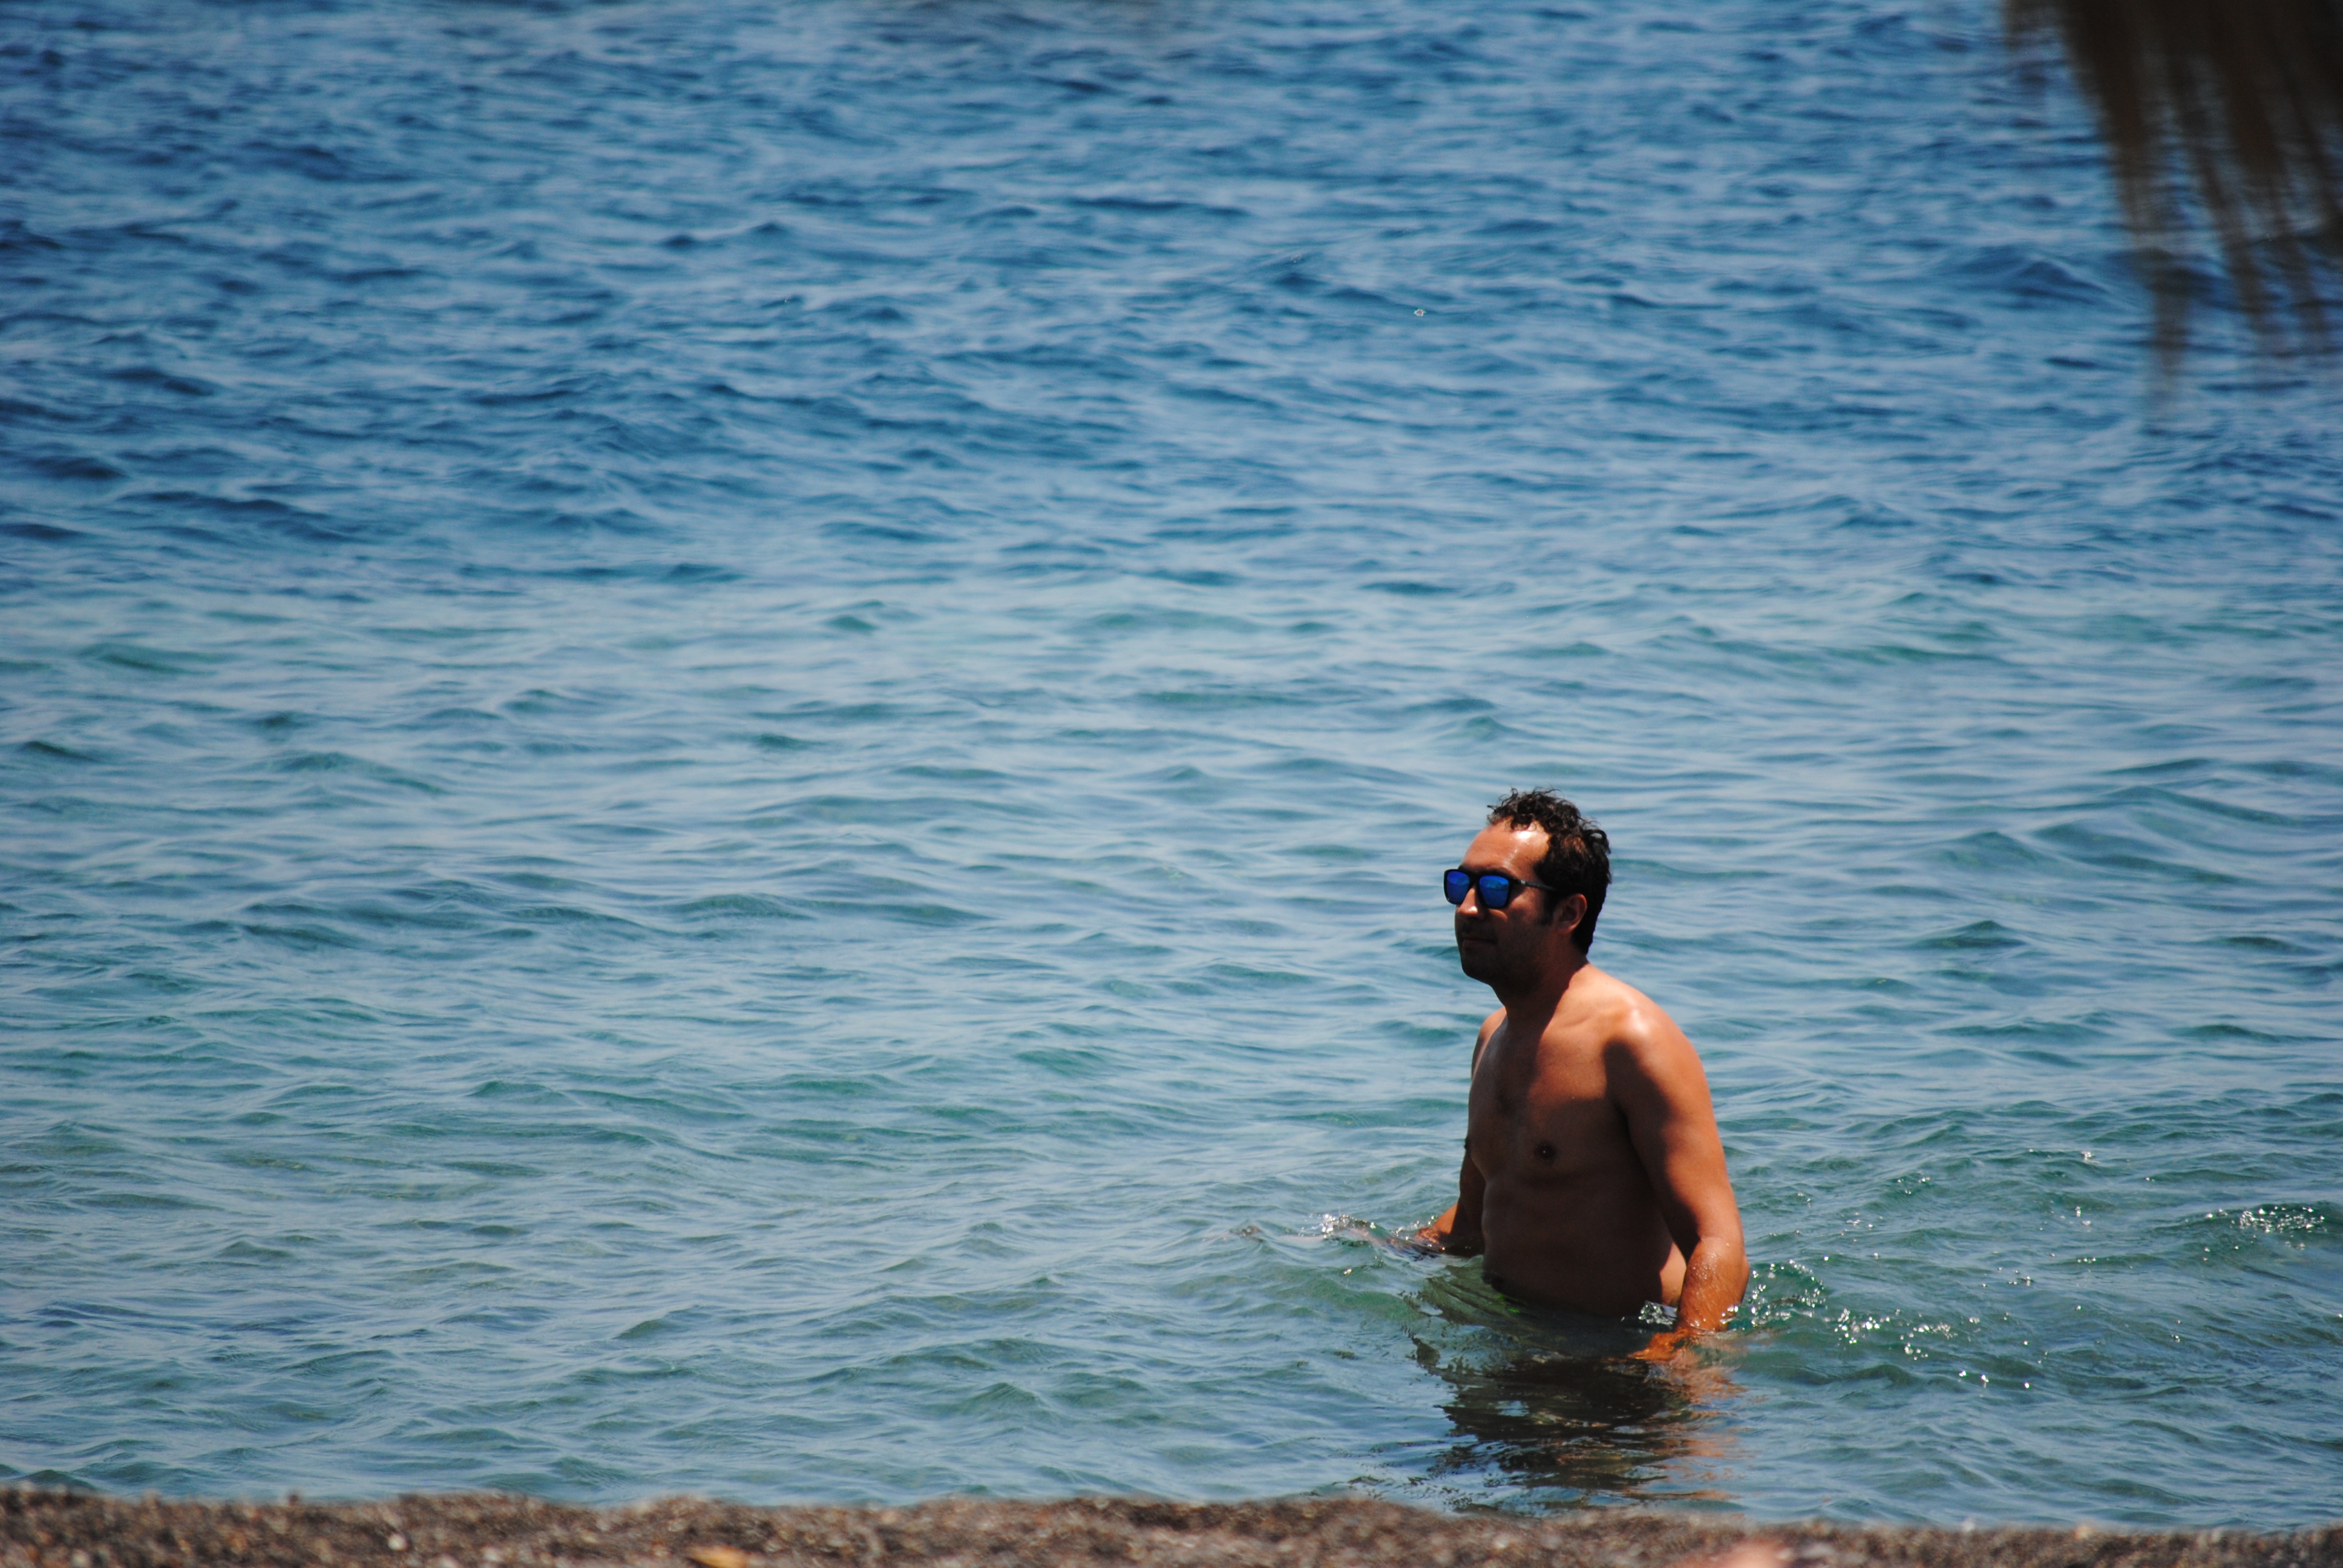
727 732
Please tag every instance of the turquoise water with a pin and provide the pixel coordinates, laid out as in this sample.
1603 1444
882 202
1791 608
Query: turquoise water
726 731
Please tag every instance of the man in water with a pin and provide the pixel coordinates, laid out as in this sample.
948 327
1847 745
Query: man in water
1594 1176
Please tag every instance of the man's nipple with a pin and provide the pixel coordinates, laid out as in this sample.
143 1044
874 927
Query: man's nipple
1546 1152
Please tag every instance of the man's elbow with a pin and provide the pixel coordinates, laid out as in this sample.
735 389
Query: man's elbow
1726 1260
1737 1272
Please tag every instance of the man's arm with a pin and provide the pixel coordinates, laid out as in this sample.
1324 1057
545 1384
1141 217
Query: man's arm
1657 1084
1458 1230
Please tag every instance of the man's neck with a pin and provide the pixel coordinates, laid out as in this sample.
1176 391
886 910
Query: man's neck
1537 1001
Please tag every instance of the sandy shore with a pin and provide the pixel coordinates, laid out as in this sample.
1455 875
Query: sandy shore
57 1530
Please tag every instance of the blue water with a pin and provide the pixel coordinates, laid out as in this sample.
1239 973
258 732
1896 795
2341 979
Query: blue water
725 730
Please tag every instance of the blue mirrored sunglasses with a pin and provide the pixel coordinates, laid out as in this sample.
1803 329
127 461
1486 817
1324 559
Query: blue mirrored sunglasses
1496 889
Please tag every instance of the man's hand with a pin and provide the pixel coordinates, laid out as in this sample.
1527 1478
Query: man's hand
1423 1243
1669 1354
1446 1236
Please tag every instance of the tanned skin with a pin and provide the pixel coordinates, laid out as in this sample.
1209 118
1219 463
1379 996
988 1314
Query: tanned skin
1594 1175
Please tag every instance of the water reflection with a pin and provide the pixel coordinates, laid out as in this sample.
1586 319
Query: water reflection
1552 1409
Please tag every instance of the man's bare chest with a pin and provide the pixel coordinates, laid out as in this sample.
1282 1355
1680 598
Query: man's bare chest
1543 1112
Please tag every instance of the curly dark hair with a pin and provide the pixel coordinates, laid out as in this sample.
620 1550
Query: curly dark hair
1577 857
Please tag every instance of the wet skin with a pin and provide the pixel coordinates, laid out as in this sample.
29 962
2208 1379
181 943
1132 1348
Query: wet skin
1594 1176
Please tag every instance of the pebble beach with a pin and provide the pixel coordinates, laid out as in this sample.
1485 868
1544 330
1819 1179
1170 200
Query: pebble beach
55 1530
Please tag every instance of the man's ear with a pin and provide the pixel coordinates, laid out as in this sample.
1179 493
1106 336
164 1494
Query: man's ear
1570 911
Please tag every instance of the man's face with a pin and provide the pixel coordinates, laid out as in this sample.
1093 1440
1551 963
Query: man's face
1510 948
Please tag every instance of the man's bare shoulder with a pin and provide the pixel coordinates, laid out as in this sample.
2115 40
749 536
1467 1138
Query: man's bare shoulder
1480 1041
1634 1029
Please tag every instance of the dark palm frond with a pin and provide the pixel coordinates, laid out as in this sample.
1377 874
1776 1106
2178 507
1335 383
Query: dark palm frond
2238 103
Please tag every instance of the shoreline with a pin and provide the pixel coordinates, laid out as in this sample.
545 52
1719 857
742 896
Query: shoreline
44 1529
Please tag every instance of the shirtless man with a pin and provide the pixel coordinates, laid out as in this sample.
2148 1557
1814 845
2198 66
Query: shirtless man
1594 1176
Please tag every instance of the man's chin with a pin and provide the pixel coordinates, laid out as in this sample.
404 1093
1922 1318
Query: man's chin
1479 961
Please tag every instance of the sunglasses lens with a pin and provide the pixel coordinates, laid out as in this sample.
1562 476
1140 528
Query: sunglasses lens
1497 892
1456 884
